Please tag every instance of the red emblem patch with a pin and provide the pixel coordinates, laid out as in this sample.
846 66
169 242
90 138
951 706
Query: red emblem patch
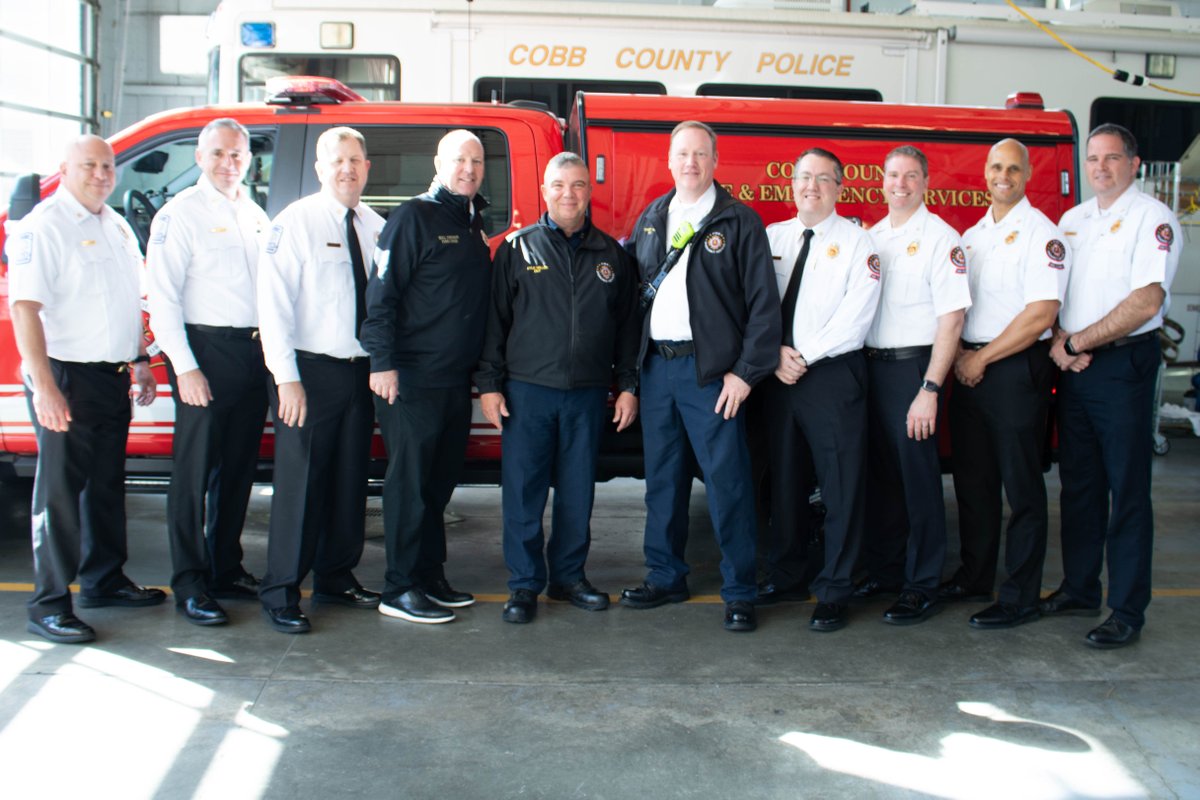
1057 252
1165 237
959 260
873 265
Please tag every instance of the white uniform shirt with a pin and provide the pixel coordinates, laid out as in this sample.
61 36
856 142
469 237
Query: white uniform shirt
84 269
840 287
202 266
670 316
1133 243
924 275
1020 260
306 297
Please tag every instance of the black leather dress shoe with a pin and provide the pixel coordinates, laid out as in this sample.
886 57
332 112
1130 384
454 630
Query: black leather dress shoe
650 596
243 587
1111 634
911 608
740 616
771 593
871 588
581 595
65 628
521 606
1004 615
828 617
130 595
289 619
414 606
446 596
952 592
358 597
1061 604
202 610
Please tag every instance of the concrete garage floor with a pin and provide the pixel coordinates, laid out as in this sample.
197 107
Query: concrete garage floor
618 704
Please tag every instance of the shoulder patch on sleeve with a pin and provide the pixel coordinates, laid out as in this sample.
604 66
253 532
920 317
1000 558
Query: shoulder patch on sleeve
276 237
1165 236
873 264
161 223
1057 253
959 259
20 249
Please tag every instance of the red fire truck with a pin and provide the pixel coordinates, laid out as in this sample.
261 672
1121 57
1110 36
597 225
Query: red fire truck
624 139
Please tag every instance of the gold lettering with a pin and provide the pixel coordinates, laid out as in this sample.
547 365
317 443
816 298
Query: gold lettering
625 58
774 193
765 60
514 58
722 58
843 66
578 56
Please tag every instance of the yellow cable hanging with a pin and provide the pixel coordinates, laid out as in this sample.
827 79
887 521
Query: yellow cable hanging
1121 75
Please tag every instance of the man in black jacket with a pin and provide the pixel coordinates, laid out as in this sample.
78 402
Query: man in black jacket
564 312
426 311
711 333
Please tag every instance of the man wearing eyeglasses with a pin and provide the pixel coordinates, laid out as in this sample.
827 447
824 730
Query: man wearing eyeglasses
828 277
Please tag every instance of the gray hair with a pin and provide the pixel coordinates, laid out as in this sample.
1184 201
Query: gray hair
226 123
564 159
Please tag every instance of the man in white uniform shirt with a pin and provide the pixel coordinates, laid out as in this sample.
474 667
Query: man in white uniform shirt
1017 265
828 278
201 272
311 297
1126 246
910 348
73 289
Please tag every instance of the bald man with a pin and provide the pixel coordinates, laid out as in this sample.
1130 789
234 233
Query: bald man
73 286
1017 265
427 306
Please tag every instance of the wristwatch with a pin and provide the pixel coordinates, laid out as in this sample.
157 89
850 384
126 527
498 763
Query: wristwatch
930 386
1071 351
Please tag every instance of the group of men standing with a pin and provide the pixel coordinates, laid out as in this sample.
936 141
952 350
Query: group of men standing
331 319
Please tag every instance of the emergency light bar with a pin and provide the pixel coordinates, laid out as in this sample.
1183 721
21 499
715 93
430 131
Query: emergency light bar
309 90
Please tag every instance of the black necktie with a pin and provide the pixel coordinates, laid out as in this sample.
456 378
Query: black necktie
360 273
793 290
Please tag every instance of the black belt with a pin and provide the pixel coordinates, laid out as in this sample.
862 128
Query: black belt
333 359
103 366
223 331
1126 340
973 345
674 349
897 353
831 359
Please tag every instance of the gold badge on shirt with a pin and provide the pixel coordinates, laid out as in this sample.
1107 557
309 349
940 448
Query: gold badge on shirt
833 251
1012 237
88 243
217 230
913 247
1116 226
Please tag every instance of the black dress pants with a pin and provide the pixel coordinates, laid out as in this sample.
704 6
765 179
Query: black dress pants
905 543
998 432
319 507
425 432
78 511
827 410
215 455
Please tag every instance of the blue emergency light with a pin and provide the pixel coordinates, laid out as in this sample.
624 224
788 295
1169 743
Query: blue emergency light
258 34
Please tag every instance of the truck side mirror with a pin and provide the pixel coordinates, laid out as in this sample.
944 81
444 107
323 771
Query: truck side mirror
27 193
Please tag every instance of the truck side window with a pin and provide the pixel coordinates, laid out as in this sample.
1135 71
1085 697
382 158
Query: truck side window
149 176
402 167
